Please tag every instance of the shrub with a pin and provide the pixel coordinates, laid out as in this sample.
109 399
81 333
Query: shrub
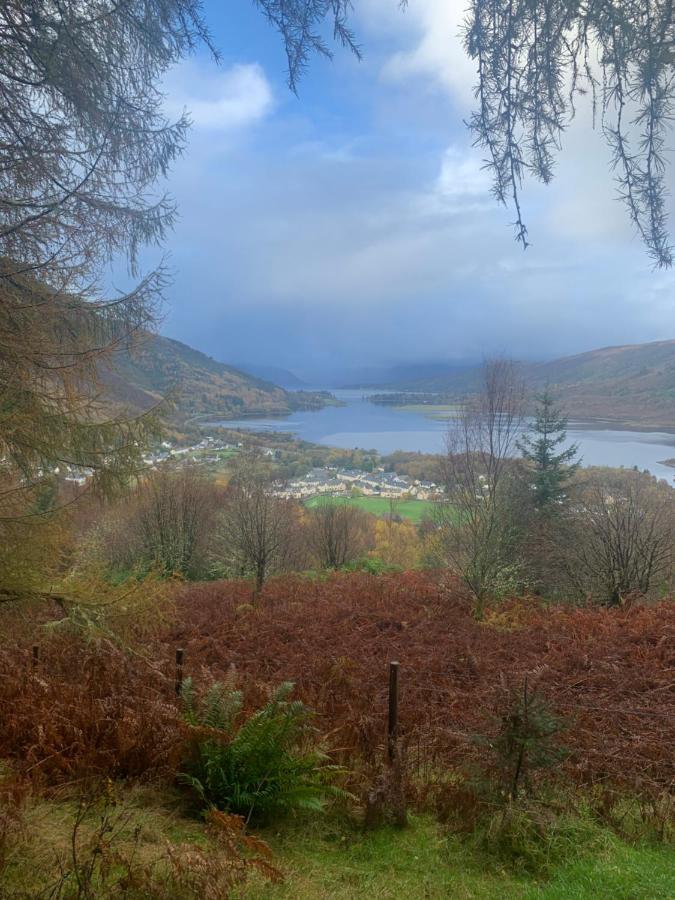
105 851
607 673
536 838
260 766
526 741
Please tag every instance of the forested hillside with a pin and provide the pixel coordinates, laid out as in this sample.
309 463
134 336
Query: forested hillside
632 384
196 383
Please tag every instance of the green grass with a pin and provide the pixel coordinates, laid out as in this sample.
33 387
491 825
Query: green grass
439 411
423 861
414 510
332 858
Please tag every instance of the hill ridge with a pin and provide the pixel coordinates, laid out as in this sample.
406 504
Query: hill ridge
628 384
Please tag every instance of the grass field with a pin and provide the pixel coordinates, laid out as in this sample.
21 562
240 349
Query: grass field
423 861
441 411
324 857
414 510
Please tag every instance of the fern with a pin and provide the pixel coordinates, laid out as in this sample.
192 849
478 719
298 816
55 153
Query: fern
264 766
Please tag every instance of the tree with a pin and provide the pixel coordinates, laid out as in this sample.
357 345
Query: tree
477 521
398 543
298 22
339 533
83 142
176 512
536 58
551 470
254 525
164 524
616 540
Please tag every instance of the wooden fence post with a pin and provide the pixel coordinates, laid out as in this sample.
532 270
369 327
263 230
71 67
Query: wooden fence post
180 653
392 724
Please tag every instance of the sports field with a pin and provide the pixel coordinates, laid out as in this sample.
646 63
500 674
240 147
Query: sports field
414 510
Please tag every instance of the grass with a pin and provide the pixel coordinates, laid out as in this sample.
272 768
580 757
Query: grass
414 510
423 861
440 411
331 857
145 819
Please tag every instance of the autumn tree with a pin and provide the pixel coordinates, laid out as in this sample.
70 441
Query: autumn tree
338 533
83 143
477 522
254 524
176 514
398 543
616 539
164 524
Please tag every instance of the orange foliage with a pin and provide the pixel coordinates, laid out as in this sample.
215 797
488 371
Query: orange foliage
608 673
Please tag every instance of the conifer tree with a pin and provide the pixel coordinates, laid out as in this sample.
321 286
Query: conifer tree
540 446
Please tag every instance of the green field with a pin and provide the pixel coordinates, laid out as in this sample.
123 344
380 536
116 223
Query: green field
414 510
441 412
329 857
426 862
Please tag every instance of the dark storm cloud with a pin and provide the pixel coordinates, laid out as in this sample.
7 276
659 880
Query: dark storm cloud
312 238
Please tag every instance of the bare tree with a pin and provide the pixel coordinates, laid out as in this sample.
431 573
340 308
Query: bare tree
176 517
616 539
254 524
476 520
338 533
165 523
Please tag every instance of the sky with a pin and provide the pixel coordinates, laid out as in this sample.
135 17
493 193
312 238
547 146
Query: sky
352 225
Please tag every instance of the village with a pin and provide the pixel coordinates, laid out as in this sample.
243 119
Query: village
334 481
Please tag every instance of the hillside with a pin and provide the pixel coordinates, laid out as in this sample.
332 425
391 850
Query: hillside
274 374
631 385
199 385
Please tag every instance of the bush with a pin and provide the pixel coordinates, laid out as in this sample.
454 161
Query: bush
258 767
526 740
110 848
535 838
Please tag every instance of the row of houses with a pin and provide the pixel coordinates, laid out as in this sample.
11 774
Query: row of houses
205 450
378 483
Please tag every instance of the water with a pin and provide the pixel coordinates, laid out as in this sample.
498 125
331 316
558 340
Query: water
365 425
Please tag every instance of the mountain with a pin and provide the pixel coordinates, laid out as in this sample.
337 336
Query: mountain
274 374
198 385
373 377
631 385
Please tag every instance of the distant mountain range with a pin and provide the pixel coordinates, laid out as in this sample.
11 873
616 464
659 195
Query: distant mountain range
631 385
404 373
274 374
197 384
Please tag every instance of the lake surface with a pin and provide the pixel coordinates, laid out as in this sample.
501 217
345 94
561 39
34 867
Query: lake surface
368 426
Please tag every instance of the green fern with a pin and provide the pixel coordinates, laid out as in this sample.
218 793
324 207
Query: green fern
267 765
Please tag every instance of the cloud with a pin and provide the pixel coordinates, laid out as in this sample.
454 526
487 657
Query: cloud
357 224
436 50
218 100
